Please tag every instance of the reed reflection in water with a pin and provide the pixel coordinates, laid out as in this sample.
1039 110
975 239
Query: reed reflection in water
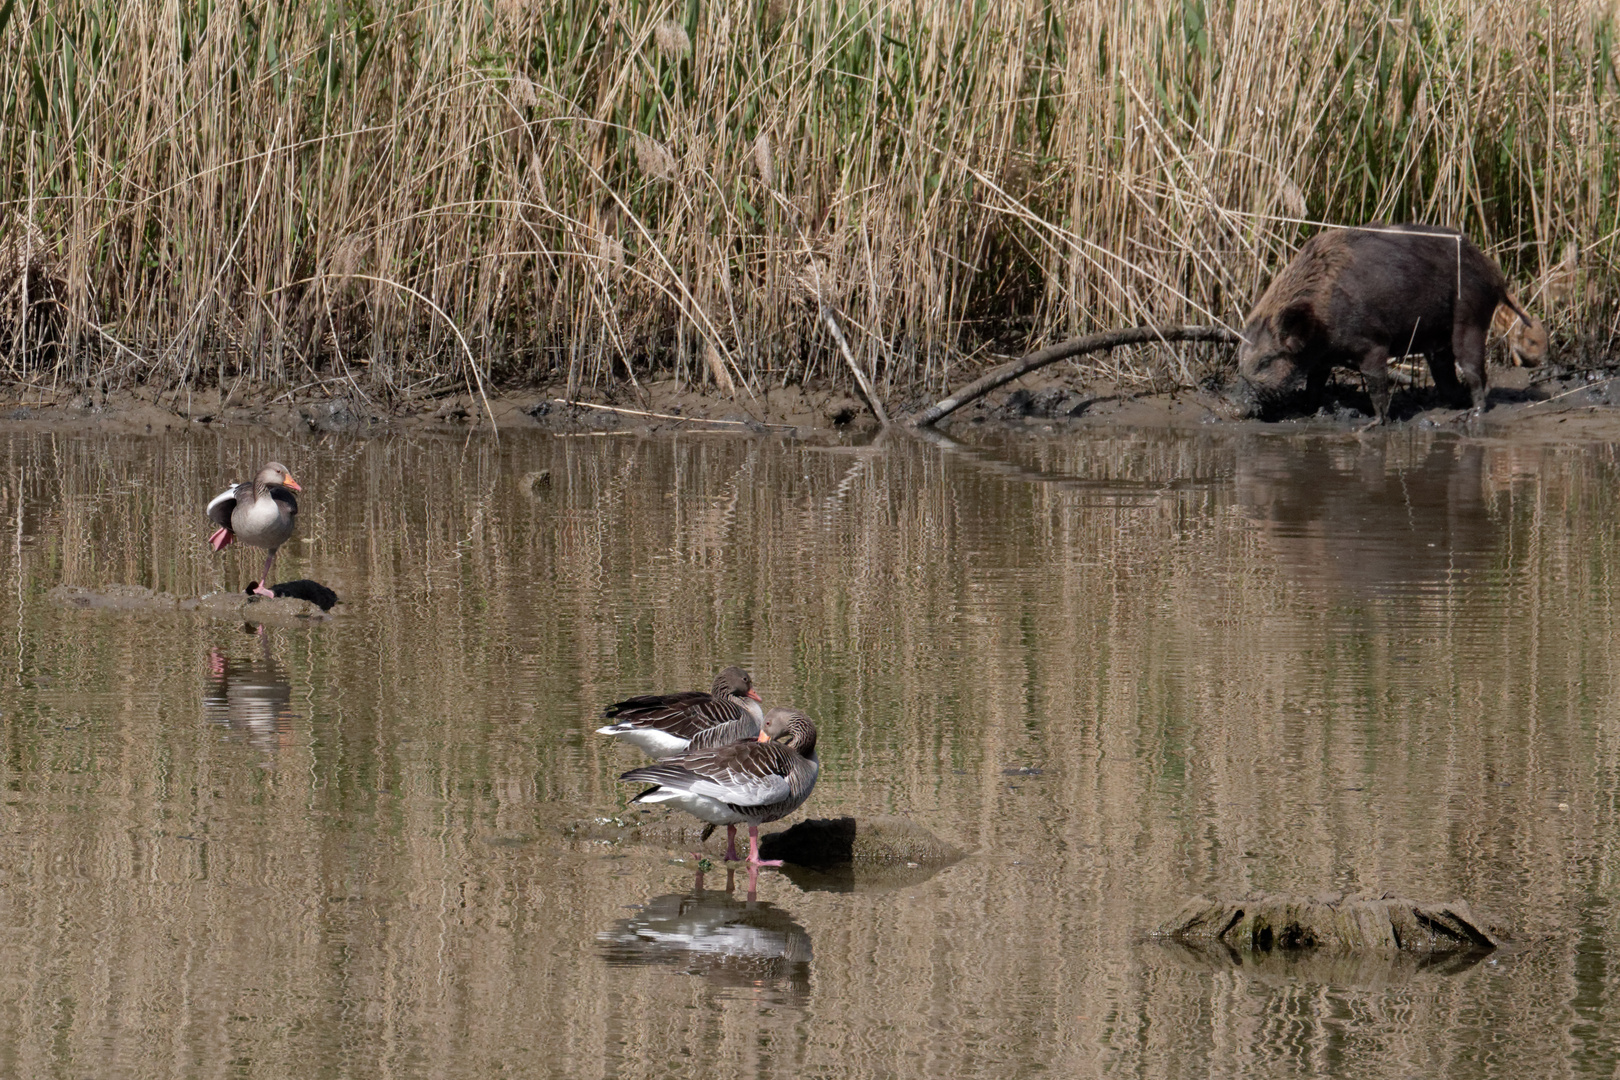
1212 662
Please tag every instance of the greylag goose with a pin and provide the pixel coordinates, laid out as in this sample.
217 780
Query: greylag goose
262 514
745 783
667 724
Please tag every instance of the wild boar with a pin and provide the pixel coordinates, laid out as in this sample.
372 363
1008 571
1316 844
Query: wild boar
1360 297
1521 332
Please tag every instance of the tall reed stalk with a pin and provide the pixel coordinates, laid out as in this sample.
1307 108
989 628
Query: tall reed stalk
399 200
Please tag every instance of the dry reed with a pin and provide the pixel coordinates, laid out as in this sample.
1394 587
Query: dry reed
587 190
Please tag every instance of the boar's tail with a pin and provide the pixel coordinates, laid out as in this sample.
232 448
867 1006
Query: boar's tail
1511 301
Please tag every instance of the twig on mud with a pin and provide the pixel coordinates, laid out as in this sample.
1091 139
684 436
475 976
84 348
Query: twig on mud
669 416
1108 339
860 376
1574 390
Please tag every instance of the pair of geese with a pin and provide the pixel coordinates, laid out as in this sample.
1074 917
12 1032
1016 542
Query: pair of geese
721 758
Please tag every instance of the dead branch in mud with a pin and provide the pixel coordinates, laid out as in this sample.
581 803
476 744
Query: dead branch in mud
1107 339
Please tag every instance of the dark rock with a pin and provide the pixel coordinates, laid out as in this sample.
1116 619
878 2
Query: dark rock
333 415
302 589
842 410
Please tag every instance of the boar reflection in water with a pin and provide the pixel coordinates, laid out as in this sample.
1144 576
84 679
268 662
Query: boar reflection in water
1367 519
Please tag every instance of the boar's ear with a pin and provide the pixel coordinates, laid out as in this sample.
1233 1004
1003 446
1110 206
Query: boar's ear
1295 323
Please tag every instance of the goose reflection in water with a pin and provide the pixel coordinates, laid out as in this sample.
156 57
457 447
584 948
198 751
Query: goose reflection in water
730 942
250 695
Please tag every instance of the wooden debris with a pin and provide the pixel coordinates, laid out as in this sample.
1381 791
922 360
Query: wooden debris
1263 922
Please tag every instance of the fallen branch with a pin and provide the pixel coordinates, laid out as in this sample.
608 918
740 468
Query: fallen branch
1107 339
867 390
668 416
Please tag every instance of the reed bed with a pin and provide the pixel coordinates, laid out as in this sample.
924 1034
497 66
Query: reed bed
395 202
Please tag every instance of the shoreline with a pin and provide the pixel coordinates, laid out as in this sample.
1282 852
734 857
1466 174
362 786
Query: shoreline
1583 406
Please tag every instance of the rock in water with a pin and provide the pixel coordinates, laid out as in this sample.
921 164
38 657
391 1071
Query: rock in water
1263 922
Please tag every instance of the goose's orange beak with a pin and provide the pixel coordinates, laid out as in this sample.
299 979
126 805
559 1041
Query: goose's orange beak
290 483
754 694
764 737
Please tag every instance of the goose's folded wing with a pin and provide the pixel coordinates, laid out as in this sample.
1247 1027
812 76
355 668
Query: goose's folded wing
750 774
223 505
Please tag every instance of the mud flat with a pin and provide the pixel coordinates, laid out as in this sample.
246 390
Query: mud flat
1577 405
137 599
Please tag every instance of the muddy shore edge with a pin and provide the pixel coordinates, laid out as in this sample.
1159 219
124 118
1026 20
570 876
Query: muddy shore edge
1581 406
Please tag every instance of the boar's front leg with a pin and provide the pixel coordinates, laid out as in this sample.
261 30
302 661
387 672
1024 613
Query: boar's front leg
1468 347
1375 370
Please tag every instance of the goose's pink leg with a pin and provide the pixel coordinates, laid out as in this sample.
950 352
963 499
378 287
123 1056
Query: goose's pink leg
220 538
753 850
731 843
262 588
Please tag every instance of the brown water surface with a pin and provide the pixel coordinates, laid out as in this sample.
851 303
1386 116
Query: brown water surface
1120 668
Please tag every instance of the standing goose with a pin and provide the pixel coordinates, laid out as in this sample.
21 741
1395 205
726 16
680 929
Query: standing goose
262 514
664 725
745 783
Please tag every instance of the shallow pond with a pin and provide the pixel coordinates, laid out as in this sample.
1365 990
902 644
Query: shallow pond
1120 668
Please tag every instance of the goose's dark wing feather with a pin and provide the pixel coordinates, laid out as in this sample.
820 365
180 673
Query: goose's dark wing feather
284 496
683 715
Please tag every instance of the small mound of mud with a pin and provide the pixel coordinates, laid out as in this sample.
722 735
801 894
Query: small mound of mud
822 843
832 854
1354 924
858 855
138 598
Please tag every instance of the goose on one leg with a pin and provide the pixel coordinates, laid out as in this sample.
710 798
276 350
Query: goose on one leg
261 514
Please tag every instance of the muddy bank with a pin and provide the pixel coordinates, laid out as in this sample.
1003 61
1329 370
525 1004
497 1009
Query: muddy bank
1524 403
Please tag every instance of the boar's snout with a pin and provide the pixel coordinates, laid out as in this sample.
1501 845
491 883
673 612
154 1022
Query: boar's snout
1264 364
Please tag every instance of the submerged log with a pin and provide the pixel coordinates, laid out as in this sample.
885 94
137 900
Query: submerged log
1261 923
1108 339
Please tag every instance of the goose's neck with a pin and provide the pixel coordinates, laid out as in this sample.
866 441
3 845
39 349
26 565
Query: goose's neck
751 707
803 739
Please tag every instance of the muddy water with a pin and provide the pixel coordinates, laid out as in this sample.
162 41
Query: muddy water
1120 668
